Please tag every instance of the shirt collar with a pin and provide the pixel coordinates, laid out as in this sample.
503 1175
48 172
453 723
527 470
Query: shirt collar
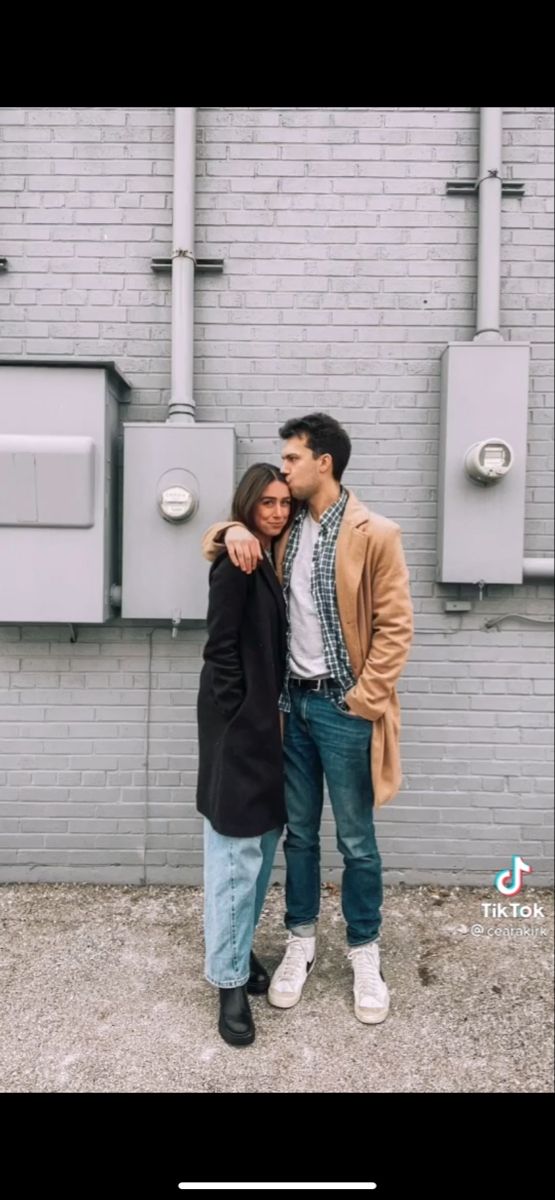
328 516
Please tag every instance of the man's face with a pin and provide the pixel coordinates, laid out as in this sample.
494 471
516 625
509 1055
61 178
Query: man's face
303 472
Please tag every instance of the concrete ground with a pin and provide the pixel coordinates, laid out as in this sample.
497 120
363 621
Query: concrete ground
101 990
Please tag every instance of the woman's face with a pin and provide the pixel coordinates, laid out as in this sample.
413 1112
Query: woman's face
271 511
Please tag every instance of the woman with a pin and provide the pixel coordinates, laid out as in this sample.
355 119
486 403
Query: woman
240 780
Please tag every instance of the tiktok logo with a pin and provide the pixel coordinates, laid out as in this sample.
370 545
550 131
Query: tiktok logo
509 881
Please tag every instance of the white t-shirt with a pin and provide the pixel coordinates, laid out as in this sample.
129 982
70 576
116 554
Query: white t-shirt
306 650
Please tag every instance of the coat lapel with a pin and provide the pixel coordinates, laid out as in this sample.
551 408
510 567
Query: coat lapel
350 557
349 562
270 577
279 554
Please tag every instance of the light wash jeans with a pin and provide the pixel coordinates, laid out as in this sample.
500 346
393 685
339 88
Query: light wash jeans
236 877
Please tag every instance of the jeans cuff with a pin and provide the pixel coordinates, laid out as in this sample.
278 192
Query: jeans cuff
366 942
227 983
306 930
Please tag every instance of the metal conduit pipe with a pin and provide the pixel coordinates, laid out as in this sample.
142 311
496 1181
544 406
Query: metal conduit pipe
489 226
182 406
538 568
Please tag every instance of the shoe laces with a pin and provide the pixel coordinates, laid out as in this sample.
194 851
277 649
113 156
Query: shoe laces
293 961
366 967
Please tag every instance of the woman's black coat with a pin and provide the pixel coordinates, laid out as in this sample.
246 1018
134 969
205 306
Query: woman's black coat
240 780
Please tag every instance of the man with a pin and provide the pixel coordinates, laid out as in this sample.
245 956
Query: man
350 626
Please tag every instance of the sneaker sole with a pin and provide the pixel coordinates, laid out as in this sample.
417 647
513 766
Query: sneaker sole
282 1000
369 1016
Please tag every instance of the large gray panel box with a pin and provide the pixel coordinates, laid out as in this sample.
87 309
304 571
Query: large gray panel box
484 397
164 573
59 425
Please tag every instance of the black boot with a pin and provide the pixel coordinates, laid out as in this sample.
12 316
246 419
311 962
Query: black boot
259 980
235 1025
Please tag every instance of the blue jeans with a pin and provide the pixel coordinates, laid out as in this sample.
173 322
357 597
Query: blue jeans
321 740
236 877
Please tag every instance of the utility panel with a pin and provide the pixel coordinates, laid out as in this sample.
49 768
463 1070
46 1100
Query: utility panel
484 415
39 475
58 431
178 479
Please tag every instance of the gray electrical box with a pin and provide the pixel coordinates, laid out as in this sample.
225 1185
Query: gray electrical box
178 479
484 415
58 430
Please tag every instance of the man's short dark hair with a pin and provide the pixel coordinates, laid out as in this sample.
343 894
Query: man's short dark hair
324 435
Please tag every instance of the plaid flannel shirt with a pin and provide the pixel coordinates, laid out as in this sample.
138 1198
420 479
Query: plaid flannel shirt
324 594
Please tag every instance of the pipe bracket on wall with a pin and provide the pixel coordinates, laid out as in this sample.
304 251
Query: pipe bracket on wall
3 264
206 265
467 187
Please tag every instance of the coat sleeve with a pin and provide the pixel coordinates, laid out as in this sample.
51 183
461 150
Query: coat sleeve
213 539
392 629
226 605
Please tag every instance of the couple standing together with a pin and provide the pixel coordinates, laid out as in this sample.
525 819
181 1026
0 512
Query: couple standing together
309 626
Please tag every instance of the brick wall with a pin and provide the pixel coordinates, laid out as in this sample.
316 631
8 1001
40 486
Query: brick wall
347 270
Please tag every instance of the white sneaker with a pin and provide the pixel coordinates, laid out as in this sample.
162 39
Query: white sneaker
293 971
371 994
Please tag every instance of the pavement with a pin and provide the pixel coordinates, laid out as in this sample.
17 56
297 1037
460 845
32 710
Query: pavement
102 990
